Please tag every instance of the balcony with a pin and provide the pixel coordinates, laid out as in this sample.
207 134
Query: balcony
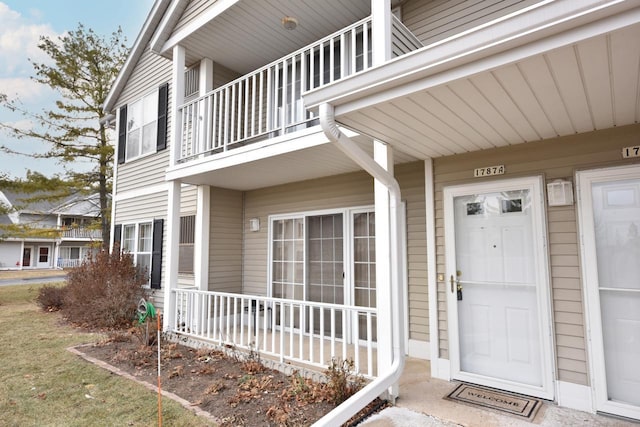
267 102
80 233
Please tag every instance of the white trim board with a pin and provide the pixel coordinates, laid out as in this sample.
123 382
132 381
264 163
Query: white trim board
591 286
140 192
574 396
419 349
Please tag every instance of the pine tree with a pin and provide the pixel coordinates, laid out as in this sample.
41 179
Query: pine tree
82 69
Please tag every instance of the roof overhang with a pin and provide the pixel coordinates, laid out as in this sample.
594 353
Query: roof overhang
541 72
148 29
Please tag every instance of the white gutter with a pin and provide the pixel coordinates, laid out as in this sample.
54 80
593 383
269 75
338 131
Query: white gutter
381 384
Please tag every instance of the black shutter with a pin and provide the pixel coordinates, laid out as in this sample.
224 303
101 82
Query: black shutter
156 255
122 135
117 236
163 108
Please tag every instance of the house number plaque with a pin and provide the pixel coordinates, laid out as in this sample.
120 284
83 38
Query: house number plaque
628 152
488 171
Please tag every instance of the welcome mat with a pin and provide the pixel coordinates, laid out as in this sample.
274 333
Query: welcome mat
510 403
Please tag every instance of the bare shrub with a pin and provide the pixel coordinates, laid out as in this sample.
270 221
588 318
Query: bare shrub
104 291
342 380
51 298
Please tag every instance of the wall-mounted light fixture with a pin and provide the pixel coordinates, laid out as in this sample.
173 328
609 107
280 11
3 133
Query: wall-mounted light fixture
254 224
289 23
560 193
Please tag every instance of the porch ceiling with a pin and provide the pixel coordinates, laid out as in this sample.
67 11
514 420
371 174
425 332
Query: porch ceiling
249 34
588 84
287 163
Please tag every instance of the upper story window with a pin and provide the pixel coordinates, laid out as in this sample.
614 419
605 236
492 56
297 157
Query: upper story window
142 125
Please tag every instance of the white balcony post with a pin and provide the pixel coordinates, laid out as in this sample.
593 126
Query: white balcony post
171 258
201 244
205 85
206 76
382 154
177 86
380 31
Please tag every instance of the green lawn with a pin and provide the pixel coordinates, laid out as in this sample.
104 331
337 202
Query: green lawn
43 384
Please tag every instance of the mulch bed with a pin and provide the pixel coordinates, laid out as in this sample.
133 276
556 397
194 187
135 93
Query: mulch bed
236 389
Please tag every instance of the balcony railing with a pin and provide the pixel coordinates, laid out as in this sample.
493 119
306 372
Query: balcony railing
304 332
80 233
268 102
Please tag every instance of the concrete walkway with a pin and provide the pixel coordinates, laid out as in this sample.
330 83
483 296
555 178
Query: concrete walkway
421 403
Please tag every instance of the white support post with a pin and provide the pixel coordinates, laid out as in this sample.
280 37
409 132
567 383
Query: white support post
380 31
206 76
172 251
114 188
382 154
177 88
432 281
201 243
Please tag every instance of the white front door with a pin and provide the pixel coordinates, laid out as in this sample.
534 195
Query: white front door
497 289
610 225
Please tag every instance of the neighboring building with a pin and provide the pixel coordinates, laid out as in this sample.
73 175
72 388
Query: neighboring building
54 235
454 180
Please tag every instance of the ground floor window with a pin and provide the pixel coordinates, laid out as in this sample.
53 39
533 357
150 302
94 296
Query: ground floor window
186 246
326 257
70 253
136 240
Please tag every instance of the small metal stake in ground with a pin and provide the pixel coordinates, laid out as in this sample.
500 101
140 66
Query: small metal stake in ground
147 311
159 385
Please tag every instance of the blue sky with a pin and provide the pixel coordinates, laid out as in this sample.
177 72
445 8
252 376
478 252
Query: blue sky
22 22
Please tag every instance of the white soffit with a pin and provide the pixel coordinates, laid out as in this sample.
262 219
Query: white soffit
577 81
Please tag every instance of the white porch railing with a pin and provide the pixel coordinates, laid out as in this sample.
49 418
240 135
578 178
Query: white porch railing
268 102
305 332
68 263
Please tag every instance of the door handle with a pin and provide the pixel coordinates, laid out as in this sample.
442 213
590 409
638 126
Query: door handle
455 284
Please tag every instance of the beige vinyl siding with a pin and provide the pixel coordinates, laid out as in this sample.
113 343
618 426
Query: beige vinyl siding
225 240
143 172
188 199
435 20
149 74
191 12
336 192
411 180
143 209
553 159
223 75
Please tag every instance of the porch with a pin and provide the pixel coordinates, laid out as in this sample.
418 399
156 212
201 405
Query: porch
303 333
247 322
422 398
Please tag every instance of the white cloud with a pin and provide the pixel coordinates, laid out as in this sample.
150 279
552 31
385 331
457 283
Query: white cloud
24 124
19 41
22 87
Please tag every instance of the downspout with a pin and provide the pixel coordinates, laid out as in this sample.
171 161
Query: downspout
385 380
